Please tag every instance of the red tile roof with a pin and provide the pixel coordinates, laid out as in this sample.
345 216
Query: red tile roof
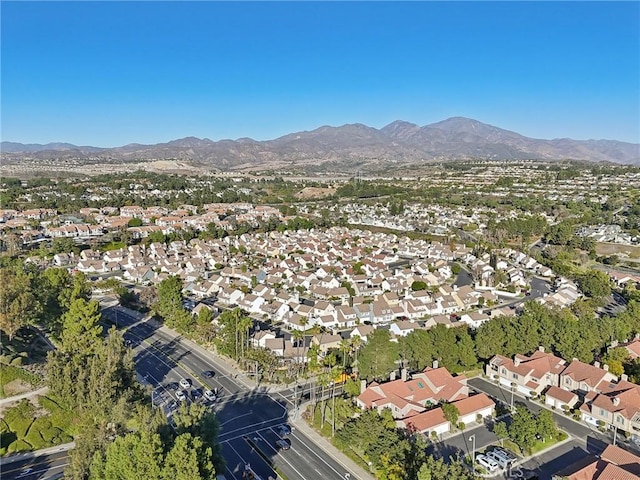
583 372
560 394
426 421
473 404
626 394
622 458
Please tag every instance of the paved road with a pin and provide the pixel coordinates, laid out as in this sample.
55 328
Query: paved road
584 440
248 415
33 393
39 467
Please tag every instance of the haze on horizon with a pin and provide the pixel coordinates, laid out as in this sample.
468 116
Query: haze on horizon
111 73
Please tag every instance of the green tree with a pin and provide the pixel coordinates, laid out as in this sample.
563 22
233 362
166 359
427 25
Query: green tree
595 284
378 356
418 285
18 306
198 421
188 459
233 327
81 327
500 430
546 426
616 358
169 304
523 428
451 413
351 388
130 457
416 349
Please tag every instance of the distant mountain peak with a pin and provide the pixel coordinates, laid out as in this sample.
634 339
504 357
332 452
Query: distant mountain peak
399 142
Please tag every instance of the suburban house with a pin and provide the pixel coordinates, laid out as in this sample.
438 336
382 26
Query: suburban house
582 378
527 374
471 408
430 421
556 397
617 406
614 463
413 394
326 341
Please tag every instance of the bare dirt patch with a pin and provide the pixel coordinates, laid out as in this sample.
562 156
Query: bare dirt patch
16 387
314 192
632 251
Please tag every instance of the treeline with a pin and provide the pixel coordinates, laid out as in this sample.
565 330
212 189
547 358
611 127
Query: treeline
92 379
458 349
38 298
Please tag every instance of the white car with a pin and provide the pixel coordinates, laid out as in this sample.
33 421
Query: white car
486 462
209 395
185 383
181 395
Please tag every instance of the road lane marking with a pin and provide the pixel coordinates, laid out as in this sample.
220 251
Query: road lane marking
280 455
322 459
239 416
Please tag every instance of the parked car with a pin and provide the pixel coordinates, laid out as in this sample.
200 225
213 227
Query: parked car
283 430
283 444
209 395
185 383
195 394
173 386
500 458
181 395
486 462
506 453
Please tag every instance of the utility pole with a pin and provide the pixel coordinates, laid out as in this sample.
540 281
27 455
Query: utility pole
472 439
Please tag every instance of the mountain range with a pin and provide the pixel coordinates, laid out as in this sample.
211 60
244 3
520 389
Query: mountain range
400 142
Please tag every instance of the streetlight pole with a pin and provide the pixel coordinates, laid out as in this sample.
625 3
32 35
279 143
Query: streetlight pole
472 439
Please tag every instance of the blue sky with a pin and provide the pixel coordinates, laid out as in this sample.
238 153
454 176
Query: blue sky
113 73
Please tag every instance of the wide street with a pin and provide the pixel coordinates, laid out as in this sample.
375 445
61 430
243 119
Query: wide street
47 466
248 415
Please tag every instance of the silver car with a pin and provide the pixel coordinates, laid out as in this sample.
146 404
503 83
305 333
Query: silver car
486 462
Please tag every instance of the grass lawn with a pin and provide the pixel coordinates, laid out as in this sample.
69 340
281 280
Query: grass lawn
26 427
9 374
546 443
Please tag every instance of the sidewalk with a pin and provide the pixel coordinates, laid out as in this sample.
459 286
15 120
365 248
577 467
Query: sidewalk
357 472
230 368
16 457
15 398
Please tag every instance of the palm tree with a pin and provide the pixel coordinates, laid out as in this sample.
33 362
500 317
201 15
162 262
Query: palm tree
323 380
335 371
297 335
356 343
236 317
345 347
304 321
244 325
